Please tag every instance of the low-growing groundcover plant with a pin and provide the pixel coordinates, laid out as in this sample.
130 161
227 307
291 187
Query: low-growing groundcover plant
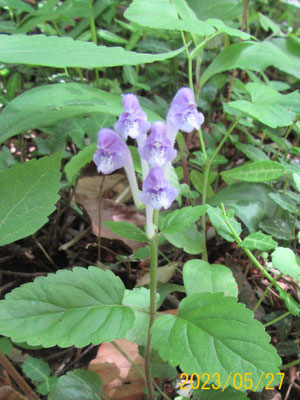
219 349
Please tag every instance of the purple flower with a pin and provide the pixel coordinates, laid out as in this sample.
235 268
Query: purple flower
157 192
133 121
183 112
157 148
110 154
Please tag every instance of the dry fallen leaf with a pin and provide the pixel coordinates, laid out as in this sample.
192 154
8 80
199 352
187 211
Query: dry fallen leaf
164 274
120 380
87 194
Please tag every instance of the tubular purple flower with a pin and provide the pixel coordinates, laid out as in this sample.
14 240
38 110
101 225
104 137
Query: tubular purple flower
157 148
113 153
133 121
157 192
183 113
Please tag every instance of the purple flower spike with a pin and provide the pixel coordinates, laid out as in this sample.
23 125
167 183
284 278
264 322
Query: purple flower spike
133 121
157 192
183 112
157 148
110 154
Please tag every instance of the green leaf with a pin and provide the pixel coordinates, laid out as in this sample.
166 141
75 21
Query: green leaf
5 345
179 220
77 385
227 394
190 240
79 161
284 201
277 227
36 369
286 261
222 9
268 106
267 23
138 297
26 204
47 385
249 201
126 230
199 277
68 308
259 241
253 153
296 179
111 37
257 171
62 52
161 14
197 179
217 220
256 57
214 334
46 105
18 5
6 158
221 27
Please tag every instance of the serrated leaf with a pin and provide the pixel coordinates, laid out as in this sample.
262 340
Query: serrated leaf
277 227
259 241
46 386
36 369
179 220
268 106
199 277
286 261
190 240
68 308
217 220
214 334
161 14
284 201
126 230
26 204
77 385
257 171
61 52
79 161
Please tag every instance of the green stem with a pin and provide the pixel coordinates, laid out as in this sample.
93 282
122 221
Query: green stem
80 74
283 294
153 285
94 39
131 362
231 128
282 316
283 141
190 62
291 364
265 293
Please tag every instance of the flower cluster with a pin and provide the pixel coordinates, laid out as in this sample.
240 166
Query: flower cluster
156 150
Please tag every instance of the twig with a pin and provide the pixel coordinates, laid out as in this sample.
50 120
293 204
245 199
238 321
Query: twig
74 240
44 251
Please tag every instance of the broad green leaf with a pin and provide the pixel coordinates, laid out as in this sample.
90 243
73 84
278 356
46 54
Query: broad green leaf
26 204
267 23
217 220
111 37
46 105
214 334
36 369
249 201
227 394
197 180
164 289
5 345
268 106
78 161
138 297
259 241
257 171
221 27
222 9
62 52
199 277
6 158
286 261
68 308
77 385
253 56
162 14
253 153
277 227
47 385
179 220
18 5
126 230
284 201
190 240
